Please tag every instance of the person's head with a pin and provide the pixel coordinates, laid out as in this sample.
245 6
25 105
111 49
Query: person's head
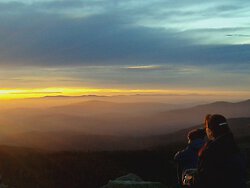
215 126
196 134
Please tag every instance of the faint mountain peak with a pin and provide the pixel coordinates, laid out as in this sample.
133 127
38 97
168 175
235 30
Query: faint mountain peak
99 102
221 102
81 96
245 101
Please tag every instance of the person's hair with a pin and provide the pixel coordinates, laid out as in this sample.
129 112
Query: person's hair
196 134
207 117
218 125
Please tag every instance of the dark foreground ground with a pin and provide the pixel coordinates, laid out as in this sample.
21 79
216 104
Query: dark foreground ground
28 168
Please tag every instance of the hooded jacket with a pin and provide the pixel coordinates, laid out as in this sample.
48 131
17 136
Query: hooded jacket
188 158
221 164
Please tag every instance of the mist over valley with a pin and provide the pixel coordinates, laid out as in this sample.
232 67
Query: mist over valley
96 125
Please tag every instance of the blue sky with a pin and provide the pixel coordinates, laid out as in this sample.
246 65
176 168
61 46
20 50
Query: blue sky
145 44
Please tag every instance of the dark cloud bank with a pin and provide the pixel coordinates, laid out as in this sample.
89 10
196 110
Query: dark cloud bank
30 37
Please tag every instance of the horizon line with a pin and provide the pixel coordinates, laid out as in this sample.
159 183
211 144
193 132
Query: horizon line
19 93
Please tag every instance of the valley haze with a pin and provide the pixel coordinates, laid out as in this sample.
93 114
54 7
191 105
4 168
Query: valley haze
100 123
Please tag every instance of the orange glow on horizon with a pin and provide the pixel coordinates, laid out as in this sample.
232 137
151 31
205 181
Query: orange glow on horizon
8 94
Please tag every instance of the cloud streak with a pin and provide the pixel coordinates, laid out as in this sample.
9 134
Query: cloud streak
237 35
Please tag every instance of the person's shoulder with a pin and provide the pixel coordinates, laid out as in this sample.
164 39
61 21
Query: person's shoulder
180 154
183 153
177 156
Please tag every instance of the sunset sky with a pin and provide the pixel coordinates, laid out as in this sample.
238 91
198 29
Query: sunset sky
109 47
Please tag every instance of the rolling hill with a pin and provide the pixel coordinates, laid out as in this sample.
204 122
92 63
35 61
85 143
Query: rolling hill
110 120
68 141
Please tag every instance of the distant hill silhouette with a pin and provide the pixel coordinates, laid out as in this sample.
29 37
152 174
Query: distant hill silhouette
112 121
103 107
195 115
109 118
68 141
65 140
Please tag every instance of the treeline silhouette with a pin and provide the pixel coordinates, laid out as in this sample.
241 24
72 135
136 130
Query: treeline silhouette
26 168
29 168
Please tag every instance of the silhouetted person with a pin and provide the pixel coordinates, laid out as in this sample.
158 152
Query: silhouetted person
188 158
221 164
